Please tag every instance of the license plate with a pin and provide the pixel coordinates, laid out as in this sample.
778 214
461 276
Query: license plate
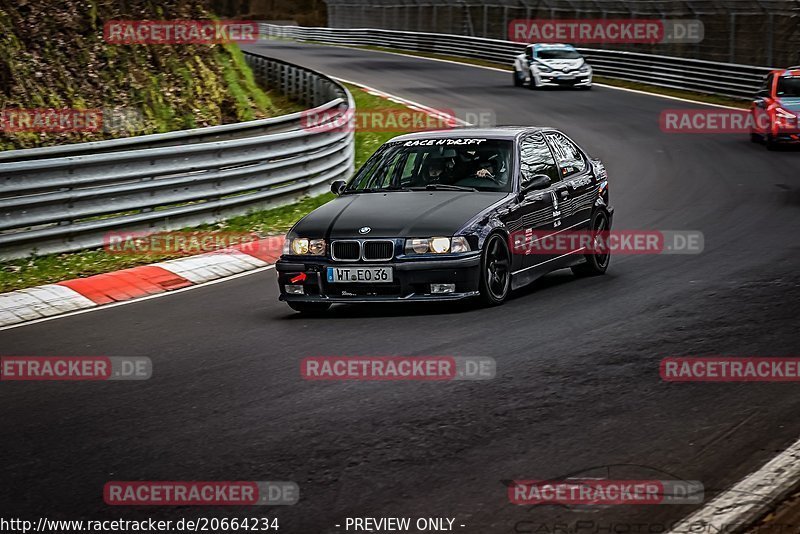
342 275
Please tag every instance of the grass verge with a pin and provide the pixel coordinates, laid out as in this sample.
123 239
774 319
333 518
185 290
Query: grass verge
36 270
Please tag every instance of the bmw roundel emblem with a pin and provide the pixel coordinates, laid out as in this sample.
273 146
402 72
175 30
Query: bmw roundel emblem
364 230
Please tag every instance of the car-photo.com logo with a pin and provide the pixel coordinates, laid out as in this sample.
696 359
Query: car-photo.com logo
388 368
609 31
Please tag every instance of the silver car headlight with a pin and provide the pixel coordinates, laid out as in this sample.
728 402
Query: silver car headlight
437 245
303 246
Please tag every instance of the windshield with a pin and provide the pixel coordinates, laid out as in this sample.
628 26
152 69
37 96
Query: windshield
788 87
557 53
471 164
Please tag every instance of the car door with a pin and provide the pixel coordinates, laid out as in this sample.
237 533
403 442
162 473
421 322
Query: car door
534 213
574 195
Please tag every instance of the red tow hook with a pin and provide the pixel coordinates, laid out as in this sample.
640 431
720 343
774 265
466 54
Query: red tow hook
299 278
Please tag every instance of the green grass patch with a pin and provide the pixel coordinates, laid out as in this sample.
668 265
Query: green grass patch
36 270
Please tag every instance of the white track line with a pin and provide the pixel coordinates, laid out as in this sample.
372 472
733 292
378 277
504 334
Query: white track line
749 499
140 299
400 100
497 69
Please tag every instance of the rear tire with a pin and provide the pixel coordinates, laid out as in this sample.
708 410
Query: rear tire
309 308
495 282
596 264
755 138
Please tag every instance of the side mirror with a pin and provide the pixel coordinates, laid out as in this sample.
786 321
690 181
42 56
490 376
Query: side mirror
539 181
529 53
338 186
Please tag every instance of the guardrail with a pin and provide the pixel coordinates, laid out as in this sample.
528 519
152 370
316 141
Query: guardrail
66 198
724 79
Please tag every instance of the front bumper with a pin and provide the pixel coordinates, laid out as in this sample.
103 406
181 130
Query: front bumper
559 79
411 279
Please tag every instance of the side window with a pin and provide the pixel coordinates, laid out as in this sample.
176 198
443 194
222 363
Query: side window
568 156
536 158
410 168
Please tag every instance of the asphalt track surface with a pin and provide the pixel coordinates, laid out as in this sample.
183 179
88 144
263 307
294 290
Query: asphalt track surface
577 384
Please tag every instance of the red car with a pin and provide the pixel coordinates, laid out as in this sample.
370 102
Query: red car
776 108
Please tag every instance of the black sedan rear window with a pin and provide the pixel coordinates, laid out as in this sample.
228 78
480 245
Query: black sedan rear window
479 164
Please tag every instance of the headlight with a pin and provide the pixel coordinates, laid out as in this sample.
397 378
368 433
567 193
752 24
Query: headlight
437 245
585 68
544 68
303 246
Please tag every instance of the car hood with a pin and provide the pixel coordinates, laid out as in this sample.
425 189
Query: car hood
790 103
561 64
395 214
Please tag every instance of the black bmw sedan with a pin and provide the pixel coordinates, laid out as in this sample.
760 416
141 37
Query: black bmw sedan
446 215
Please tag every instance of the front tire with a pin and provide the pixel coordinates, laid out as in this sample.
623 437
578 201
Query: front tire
495 283
771 143
532 85
517 78
596 263
309 308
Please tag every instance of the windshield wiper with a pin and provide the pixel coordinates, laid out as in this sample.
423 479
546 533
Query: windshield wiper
444 187
376 190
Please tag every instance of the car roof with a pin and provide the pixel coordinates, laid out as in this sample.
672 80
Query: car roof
791 71
499 132
552 45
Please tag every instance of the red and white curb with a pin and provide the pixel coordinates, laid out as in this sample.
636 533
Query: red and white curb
81 293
